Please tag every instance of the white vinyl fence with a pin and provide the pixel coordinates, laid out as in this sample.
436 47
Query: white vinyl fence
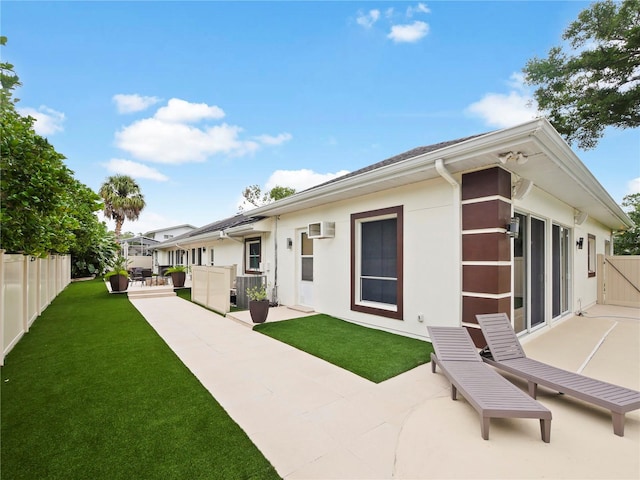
619 280
211 287
27 286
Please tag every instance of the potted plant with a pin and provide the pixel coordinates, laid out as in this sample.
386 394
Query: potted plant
258 303
118 275
178 275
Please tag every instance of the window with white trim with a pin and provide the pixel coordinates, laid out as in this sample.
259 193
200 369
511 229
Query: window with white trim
591 255
253 254
376 262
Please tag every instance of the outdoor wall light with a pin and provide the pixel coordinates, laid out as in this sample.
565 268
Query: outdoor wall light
513 227
580 243
289 243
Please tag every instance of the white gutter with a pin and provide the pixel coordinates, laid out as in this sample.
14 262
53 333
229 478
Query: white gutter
457 233
471 148
573 167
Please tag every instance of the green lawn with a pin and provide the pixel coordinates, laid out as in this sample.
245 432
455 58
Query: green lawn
92 392
372 354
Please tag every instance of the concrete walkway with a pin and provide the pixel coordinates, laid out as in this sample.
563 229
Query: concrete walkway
313 420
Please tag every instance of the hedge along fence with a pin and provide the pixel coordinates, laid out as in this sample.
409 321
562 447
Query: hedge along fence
27 286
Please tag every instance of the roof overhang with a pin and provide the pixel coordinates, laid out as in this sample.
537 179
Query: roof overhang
232 232
552 166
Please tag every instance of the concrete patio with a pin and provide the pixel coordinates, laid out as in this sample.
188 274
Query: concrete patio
313 420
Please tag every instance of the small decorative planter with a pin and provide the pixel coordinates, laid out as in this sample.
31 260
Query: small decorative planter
178 279
259 310
178 275
119 283
118 275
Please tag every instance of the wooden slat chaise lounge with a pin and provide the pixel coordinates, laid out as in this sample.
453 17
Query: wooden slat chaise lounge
507 355
488 392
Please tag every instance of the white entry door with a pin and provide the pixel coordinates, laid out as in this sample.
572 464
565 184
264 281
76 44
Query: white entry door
305 270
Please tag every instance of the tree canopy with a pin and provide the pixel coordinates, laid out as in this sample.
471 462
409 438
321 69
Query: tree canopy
43 208
594 81
123 200
628 242
253 195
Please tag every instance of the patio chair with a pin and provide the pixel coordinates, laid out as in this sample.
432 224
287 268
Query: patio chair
488 392
507 354
147 273
136 275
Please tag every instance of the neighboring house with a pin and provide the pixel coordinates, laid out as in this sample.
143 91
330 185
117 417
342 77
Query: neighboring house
428 236
137 246
138 251
163 234
233 241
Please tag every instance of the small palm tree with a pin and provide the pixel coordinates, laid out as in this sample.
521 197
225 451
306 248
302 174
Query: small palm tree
122 200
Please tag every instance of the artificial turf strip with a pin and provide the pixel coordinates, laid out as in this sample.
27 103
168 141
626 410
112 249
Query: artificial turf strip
92 392
372 354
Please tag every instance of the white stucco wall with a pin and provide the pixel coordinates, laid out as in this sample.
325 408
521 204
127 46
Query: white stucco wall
431 279
432 268
583 289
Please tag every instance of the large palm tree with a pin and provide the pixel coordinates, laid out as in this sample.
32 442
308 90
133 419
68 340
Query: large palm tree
122 200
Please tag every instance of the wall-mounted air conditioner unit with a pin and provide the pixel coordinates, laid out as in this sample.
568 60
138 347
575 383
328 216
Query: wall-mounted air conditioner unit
321 230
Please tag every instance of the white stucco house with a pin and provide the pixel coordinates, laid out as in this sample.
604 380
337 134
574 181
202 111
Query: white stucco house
509 220
167 233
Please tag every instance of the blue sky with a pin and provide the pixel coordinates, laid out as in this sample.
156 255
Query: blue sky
198 100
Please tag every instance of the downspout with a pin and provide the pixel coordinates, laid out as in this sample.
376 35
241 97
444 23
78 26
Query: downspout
274 291
457 233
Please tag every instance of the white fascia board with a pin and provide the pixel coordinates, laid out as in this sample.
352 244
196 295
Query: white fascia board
198 239
557 149
466 150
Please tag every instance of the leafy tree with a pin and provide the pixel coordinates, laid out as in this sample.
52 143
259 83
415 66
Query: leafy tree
94 246
278 192
628 242
595 82
8 78
253 195
43 207
122 200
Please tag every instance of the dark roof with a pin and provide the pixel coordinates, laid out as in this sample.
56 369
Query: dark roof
220 225
216 226
398 158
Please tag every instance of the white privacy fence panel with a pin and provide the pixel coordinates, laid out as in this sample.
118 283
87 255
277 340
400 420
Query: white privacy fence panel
619 280
27 287
211 287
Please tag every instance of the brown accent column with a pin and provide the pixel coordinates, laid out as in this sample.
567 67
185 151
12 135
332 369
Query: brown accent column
486 284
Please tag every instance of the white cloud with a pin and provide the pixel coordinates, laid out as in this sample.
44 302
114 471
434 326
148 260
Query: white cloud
133 103
135 170
181 111
506 110
409 33
48 121
157 141
172 137
420 8
368 19
274 140
633 186
300 179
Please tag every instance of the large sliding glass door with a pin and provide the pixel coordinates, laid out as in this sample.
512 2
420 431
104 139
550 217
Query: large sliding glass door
538 272
560 266
529 271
